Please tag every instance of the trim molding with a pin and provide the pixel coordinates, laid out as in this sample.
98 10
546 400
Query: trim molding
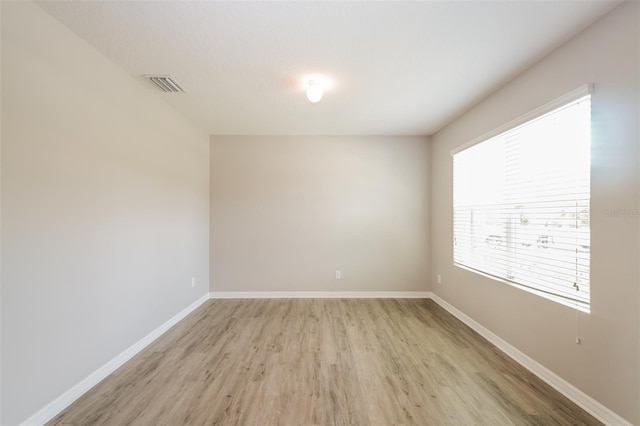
583 400
56 406
320 295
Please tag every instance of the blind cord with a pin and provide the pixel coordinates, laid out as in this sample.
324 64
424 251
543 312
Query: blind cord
578 338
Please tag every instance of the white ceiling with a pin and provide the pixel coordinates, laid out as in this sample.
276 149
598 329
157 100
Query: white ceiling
396 68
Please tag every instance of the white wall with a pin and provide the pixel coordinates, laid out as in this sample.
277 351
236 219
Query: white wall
104 210
606 365
288 211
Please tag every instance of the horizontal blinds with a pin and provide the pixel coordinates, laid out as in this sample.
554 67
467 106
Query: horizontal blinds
522 205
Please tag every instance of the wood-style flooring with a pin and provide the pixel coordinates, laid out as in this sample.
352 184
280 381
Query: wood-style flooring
322 362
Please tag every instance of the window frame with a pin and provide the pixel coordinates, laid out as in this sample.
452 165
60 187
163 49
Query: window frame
573 96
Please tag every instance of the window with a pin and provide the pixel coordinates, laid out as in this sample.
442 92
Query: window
521 202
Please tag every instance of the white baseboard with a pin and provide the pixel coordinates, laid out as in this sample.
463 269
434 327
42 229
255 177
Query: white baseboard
581 399
320 295
63 401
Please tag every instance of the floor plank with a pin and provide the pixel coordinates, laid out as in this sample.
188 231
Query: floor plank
320 362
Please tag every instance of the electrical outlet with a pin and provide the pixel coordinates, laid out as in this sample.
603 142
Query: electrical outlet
338 275
439 279
193 281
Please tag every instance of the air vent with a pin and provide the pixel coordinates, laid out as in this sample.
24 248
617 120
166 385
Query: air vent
164 83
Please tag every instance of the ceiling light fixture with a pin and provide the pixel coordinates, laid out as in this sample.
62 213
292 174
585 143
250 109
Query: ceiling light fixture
314 91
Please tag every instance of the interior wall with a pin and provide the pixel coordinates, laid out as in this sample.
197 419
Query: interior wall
605 366
289 211
105 211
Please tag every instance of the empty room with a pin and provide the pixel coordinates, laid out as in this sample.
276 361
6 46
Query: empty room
320 212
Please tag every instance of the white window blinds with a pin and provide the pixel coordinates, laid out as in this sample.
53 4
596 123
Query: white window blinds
521 205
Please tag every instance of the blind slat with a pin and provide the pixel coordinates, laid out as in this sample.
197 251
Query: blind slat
522 205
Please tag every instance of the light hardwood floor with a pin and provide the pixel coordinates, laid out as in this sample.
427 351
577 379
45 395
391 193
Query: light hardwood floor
322 361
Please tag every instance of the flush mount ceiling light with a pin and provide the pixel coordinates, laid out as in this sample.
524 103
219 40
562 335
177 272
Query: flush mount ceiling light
314 91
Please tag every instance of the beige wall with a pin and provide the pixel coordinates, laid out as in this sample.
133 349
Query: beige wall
105 214
606 365
104 210
288 211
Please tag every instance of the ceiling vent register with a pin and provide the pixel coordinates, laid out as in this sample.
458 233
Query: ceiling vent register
164 83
